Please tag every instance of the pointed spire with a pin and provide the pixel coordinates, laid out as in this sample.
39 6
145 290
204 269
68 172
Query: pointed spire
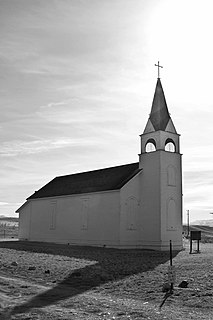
159 113
159 118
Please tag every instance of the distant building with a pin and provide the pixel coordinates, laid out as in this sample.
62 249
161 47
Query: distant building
137 205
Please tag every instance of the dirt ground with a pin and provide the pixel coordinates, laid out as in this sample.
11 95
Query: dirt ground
50 281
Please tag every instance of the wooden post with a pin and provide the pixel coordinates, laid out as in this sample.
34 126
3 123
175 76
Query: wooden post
188 229
171 277
198 246
172 285
190 245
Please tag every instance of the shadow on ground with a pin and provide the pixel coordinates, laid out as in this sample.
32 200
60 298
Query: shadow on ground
108 265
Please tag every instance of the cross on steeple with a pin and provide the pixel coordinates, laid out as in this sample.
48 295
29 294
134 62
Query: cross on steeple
158 65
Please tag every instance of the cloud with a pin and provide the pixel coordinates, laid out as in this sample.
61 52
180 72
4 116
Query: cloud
11 204
18 147
54 104
199 177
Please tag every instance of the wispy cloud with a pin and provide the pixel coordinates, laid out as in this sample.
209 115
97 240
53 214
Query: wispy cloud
3 203
55 104
10 204
15 148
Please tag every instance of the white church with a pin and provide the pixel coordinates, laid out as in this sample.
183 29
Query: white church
136 205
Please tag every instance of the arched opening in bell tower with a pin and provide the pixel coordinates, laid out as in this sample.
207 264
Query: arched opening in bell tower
170 145
150 146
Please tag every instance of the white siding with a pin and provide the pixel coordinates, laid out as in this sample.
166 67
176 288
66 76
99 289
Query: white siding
130 217
89 219
24 222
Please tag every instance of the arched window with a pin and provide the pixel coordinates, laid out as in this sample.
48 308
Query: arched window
150 145
53 213
169 145
84 213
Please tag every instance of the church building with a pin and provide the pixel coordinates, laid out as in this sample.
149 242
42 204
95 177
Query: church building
136 205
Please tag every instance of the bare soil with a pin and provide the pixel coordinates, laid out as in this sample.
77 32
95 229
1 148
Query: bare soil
50 281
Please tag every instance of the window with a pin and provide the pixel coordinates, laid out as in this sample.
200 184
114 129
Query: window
169 146
84 214
150 145
53 212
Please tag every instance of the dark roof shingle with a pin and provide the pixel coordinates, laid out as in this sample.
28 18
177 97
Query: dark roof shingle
112 178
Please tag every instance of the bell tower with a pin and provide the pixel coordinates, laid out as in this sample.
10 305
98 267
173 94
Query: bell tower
161 183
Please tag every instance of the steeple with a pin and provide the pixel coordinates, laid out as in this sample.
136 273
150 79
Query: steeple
161 177
159 118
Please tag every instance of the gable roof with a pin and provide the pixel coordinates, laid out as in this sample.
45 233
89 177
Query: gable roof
112 178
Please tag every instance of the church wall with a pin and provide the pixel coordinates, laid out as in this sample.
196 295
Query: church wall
130 220
150 200
41 228
145 189
24 222
162 200
87 219
171 199
96 218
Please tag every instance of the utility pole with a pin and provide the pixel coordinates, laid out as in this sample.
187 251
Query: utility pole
187 223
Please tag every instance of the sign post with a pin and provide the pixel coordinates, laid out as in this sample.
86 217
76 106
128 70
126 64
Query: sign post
171 278
195 235
171 270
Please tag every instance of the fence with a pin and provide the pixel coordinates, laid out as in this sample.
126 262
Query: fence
8 231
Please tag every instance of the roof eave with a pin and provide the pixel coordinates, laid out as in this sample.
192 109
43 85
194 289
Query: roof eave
22 206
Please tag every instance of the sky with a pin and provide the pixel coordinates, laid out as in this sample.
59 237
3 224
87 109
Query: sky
77 79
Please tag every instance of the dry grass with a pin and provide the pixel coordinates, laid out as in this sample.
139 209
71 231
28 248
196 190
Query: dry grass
96 283
206 232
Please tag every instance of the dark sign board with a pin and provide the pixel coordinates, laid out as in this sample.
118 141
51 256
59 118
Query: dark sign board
195 235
